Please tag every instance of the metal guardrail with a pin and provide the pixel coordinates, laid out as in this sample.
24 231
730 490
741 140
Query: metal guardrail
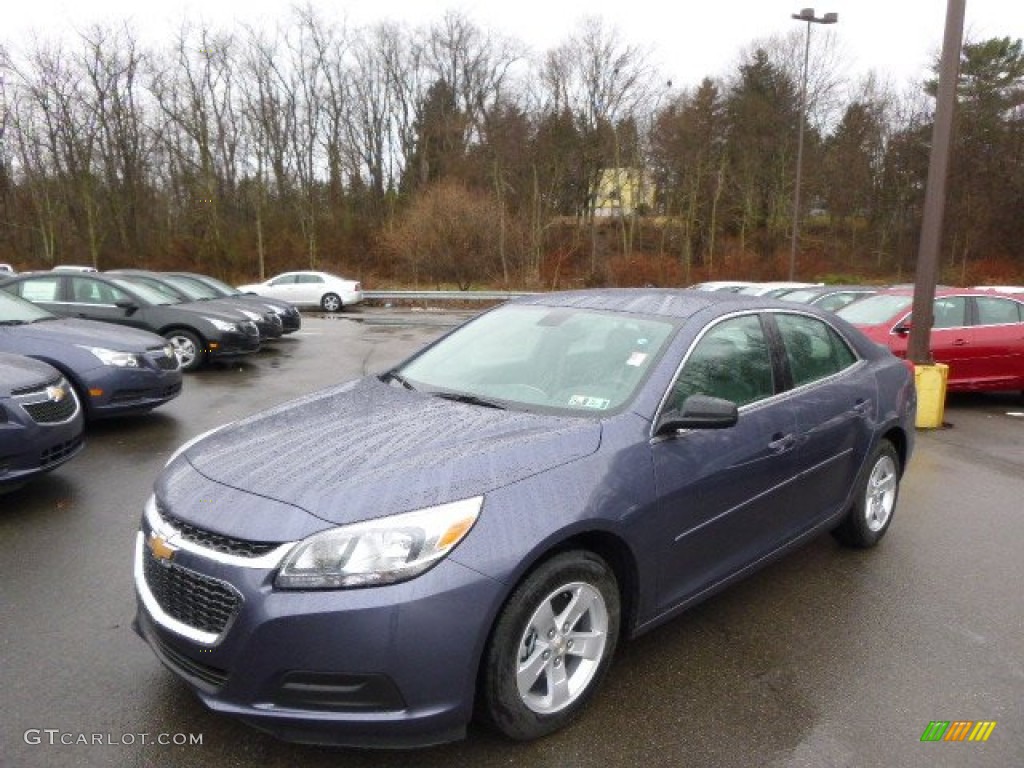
445 295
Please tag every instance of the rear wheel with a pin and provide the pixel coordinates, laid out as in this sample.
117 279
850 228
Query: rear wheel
187 347
551 646
869 517
331 302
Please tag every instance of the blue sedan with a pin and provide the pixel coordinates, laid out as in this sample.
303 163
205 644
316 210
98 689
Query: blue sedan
114 370
471 533
40 420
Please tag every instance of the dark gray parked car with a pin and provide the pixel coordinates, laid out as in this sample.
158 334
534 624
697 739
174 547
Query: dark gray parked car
475 530
291 318
40 420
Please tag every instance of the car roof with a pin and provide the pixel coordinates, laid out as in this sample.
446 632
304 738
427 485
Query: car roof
676 303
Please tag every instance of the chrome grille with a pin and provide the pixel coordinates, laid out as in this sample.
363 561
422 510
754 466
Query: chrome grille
40 405
198 601
218 542
50 412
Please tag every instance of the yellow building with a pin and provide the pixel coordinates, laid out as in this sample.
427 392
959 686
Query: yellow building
623 192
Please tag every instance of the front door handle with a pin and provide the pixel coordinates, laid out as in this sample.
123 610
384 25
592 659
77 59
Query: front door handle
781 443
862 406
959 342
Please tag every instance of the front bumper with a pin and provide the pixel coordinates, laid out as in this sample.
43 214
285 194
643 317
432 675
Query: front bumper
384 666
118 391
227 344
28 448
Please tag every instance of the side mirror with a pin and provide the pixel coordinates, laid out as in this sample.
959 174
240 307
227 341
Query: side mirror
128 305
902 329
699 412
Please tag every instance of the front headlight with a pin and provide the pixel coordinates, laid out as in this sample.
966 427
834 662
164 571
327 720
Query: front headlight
113 357
222 325
383 551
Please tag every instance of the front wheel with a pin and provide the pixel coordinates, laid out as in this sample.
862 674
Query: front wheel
869 517
331 302
187 347
551 646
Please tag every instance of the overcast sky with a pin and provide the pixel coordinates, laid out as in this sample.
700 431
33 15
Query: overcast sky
687 39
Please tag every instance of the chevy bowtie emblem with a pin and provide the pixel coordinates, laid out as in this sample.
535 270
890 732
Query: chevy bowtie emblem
55 394
160 549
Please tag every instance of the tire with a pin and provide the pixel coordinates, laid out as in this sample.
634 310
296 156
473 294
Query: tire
187 347
871 514
331 302
559 627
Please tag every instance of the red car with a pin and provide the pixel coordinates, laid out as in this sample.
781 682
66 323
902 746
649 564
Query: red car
978 334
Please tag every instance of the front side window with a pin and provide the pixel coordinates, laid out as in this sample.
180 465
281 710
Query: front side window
86 291
731 361
950 312
814 350
284 280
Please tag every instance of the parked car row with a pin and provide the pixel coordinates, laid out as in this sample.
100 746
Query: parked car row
79 345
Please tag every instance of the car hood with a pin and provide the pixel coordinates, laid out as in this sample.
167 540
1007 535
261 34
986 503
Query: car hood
17 372
368 449
90 333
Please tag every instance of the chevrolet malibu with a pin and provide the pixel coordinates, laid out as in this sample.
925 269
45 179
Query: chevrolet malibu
472 533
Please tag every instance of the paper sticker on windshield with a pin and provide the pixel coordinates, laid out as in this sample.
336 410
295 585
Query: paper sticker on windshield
583 401
637 359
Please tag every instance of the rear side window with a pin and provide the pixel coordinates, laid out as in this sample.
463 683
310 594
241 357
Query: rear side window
814 350
42 289
309 279
995 311
731 361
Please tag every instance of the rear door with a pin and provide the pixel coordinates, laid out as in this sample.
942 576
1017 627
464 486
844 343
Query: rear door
998 342
834 397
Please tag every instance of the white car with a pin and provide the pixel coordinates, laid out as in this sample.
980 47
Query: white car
73 268
771 290
309 289
7 269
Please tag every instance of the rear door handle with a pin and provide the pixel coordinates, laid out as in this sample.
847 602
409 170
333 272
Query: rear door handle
959 342
861 406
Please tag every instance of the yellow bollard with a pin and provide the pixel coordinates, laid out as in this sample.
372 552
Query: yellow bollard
930 381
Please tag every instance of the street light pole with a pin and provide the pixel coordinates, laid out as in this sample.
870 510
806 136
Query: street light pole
807 15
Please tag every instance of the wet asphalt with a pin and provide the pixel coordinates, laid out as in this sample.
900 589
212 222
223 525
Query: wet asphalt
827 658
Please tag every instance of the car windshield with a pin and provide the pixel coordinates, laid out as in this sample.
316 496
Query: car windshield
802 297
191 288
874 310
205 288
15 310
541 358
219 286
145 292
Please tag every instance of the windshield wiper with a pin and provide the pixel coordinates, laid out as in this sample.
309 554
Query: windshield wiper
463 397
395 376
13 322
